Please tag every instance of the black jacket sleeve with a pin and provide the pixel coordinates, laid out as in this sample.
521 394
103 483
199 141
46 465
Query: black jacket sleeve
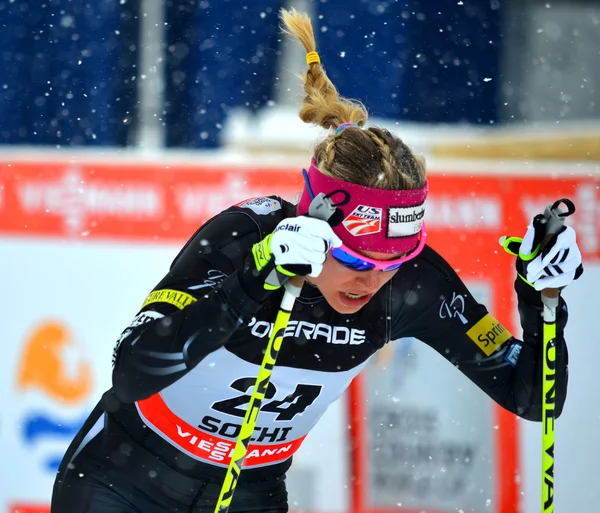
441 312
207 294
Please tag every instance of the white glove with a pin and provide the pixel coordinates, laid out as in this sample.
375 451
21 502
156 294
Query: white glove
303 241
557 265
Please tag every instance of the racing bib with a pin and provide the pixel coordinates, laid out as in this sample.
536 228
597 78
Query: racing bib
202 413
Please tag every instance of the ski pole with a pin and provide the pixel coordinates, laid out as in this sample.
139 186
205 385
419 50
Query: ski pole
292 291
320 207
550 297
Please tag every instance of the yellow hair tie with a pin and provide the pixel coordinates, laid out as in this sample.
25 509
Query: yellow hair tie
312 57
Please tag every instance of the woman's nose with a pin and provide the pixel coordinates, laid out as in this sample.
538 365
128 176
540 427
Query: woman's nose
368 279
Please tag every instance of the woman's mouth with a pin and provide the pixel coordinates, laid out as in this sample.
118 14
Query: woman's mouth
353 299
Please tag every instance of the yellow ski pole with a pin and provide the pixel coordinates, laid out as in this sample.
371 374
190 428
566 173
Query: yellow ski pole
292 291
321 207
550 298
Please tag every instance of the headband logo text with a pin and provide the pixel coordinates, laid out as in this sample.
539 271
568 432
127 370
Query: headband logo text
405 221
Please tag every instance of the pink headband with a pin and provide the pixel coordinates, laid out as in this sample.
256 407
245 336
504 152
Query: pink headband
374 219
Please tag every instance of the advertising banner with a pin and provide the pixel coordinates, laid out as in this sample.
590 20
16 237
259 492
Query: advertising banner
63 307
82 242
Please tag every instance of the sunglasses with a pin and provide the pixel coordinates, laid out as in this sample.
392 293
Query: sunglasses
357 262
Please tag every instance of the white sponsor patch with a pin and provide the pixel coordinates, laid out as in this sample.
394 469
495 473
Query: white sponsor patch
405 221
261 206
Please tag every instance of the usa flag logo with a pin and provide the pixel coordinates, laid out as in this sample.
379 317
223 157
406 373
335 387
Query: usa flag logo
363 220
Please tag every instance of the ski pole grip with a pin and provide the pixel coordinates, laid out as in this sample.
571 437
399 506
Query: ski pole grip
555 219
321 207
295 282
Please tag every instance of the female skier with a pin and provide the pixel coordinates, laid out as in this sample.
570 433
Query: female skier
161 438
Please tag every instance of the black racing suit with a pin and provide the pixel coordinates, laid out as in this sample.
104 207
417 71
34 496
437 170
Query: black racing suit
209 308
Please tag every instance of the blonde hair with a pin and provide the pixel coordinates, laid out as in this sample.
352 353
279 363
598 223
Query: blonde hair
373 156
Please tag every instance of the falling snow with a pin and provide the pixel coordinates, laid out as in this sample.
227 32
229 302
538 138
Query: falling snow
127 126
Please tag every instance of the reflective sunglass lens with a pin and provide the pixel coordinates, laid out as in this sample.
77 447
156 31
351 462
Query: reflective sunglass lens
350 261
393 267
